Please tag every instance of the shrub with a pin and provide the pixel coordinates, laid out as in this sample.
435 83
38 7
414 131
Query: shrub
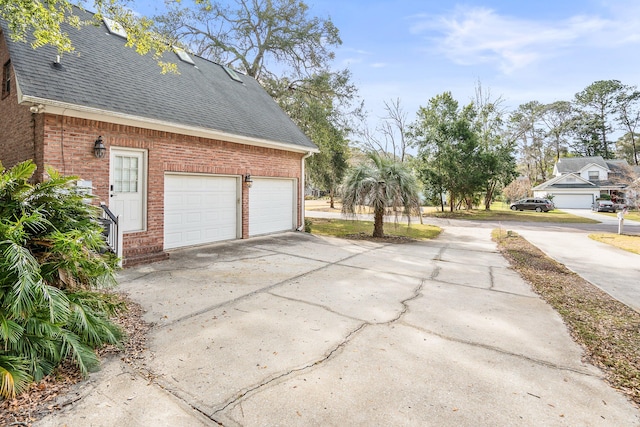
54 263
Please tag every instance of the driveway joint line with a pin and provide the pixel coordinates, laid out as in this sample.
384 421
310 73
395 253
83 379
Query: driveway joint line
266 289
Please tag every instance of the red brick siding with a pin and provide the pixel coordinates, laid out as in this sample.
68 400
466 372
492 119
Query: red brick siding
19 128
68 146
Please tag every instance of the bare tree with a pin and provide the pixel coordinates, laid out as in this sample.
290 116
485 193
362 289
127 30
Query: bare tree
390 135
629 118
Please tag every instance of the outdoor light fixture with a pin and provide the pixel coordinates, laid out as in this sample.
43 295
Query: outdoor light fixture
248 180
98 148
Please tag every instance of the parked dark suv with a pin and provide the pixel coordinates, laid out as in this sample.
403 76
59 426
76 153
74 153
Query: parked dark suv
603 206
538 205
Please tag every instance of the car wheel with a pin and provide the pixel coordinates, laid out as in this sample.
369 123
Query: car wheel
513 208
538 209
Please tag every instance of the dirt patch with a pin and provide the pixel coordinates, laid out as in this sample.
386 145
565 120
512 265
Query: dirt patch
42 398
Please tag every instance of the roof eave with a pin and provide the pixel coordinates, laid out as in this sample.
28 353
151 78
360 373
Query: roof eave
84 112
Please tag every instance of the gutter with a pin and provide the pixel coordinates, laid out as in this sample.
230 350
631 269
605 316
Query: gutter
83 112
302 182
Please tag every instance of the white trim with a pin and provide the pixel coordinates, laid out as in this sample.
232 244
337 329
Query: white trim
82 112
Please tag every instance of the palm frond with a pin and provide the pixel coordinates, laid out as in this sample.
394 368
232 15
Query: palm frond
14 376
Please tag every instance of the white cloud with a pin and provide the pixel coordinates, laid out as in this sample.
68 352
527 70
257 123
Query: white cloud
379 65
470 36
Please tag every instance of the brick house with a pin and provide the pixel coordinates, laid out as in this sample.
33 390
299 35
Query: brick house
190 158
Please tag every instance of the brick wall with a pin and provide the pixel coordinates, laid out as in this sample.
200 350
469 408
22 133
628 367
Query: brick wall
19 128
68 146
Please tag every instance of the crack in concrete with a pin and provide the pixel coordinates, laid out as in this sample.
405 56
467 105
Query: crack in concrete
266 289
501 351
416 293
238 397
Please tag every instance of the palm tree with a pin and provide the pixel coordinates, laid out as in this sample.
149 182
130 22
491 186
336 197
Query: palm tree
52 266
386 186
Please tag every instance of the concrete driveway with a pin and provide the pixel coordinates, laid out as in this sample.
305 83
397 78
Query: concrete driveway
299 330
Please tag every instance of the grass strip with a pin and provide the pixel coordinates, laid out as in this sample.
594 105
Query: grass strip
362 229
622 241
608 330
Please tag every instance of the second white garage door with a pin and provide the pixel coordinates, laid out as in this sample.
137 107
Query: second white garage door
271 206
199 209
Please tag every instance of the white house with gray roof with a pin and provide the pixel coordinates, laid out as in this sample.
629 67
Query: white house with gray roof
579 181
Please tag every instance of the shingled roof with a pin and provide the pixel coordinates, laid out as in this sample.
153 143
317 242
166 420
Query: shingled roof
108 78
575 164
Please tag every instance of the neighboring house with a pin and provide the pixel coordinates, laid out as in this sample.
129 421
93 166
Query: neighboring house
179 148
579 181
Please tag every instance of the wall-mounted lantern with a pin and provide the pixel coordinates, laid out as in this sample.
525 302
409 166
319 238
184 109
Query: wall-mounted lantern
99 149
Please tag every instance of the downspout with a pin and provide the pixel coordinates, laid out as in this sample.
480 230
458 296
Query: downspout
302 186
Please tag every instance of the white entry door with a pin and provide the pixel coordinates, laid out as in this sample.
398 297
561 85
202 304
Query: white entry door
127 188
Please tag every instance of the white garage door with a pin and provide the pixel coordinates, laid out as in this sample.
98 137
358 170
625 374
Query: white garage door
199 209
271 206
573 201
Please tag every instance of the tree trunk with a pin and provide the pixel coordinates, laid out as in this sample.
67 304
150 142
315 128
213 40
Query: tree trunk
331 205
378 223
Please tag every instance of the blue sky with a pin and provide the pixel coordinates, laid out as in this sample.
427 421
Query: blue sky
521 51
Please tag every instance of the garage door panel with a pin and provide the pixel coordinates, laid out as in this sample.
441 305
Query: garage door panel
199 209
271 206
573 201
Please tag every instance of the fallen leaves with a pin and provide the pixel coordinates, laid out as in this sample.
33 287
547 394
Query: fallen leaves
608 330
41 398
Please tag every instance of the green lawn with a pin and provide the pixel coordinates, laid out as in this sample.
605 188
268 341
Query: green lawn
347 228
501 212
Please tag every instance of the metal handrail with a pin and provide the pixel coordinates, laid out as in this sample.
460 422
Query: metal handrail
113 233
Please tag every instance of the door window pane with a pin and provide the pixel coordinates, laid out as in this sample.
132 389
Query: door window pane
125 174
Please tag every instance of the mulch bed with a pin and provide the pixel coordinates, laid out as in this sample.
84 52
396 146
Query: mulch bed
41 398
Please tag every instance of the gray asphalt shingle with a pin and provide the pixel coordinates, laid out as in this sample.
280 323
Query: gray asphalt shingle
105 74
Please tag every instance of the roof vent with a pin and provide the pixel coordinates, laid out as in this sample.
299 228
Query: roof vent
184 56
232 73
115 27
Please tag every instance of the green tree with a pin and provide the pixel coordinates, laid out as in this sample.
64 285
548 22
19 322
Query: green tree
526 127
498 159
627 148
451 156
321 106
599 101
388 187
558 118
42 23
53 262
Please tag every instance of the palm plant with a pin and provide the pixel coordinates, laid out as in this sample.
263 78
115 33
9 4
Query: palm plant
386 186
53 263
